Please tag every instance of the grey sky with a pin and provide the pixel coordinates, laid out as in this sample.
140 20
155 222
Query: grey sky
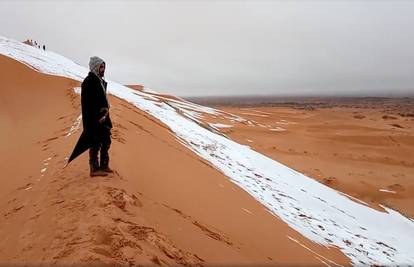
193 48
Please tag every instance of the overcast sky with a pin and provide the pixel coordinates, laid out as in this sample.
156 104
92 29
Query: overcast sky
199 48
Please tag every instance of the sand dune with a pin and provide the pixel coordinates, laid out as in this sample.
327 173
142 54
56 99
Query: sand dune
356 155
164 206
184 191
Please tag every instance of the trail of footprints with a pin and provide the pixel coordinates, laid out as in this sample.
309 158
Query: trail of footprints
94 221
97 223
111 233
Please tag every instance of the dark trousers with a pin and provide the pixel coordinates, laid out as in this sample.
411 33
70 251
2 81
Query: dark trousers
101 143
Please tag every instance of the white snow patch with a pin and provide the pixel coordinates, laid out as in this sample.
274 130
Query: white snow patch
220 125
77 90
277 129
388 191
253 114
42 170
75 127
354 198
284 122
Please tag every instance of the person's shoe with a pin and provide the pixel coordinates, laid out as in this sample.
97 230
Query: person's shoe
107 169
98 173
95 171
104 166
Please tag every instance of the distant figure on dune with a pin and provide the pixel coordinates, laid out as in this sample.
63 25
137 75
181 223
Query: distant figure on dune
44 47
95 117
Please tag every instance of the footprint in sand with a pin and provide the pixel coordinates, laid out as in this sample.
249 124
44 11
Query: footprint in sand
129 243
203 228
396 188
13 211
329 180
120 198
25 187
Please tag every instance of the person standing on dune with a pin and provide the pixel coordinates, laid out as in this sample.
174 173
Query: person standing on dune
95 117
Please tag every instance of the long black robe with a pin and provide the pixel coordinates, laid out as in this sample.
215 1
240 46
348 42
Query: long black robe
93 100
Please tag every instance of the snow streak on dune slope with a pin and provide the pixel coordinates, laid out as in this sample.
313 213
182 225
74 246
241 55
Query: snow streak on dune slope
365 235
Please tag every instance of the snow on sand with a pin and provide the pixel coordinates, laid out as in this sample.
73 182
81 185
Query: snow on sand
365 235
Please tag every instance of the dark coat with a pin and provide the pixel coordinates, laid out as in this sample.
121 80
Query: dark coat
93 99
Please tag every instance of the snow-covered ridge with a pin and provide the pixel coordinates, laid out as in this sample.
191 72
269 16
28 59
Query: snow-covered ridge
365 235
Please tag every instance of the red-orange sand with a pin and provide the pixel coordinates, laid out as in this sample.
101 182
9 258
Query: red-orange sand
163 206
